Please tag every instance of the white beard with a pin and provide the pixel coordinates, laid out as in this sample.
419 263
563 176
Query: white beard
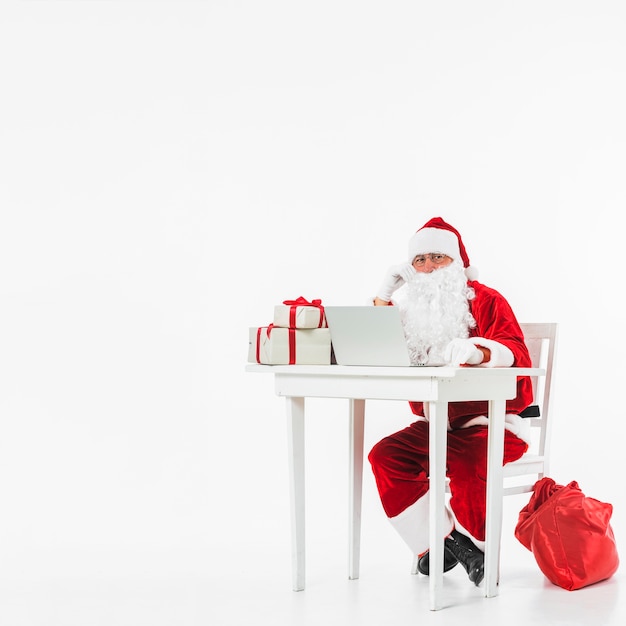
434 308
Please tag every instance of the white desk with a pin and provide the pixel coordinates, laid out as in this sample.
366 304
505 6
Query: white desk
435 385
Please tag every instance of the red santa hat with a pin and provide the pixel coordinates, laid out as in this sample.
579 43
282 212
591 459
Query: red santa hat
438 236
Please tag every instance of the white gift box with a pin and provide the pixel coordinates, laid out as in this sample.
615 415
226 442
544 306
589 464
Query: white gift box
273 345
299 316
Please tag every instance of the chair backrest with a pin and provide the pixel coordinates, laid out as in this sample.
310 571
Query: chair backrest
541 341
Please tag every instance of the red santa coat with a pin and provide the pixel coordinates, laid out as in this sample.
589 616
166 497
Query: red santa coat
496 321
400 461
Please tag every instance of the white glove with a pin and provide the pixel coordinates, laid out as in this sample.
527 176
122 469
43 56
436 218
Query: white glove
396 276
463 352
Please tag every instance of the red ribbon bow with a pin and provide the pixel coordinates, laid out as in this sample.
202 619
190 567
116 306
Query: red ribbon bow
294 304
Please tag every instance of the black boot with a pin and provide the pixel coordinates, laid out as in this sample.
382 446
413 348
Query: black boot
470 557
449 561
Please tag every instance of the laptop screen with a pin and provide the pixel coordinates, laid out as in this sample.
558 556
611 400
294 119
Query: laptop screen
367 335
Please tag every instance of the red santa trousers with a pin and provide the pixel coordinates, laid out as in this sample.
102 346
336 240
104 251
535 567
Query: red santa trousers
400 466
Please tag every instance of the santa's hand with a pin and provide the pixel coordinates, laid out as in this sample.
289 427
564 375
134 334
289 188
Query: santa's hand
396 276
463 352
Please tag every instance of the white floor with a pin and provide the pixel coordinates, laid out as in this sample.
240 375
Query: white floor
386 593
236 571
257 591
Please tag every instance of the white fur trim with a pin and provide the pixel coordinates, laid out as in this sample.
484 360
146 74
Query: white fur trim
412 524
429 240
461 529
512 422
471 273
501 356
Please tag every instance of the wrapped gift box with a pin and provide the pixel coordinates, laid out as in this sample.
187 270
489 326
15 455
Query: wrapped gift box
272 345
300 313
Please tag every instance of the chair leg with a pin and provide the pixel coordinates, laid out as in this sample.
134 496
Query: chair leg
414 569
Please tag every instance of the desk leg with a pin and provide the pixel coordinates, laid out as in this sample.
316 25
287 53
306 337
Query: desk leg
438 423
355 487
295 446
493 529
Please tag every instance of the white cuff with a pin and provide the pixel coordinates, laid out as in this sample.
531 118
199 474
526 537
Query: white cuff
501 356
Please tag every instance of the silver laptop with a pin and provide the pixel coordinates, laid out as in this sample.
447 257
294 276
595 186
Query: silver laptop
367 335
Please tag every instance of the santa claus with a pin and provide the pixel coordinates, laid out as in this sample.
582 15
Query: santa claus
448 317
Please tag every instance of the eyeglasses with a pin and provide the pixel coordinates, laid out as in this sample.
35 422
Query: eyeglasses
436 257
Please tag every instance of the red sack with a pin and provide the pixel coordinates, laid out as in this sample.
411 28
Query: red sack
569 534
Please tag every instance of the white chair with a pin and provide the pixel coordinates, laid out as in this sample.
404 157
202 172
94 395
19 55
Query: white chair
541 342
521 475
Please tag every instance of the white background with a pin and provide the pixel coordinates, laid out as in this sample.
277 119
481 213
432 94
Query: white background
169 171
